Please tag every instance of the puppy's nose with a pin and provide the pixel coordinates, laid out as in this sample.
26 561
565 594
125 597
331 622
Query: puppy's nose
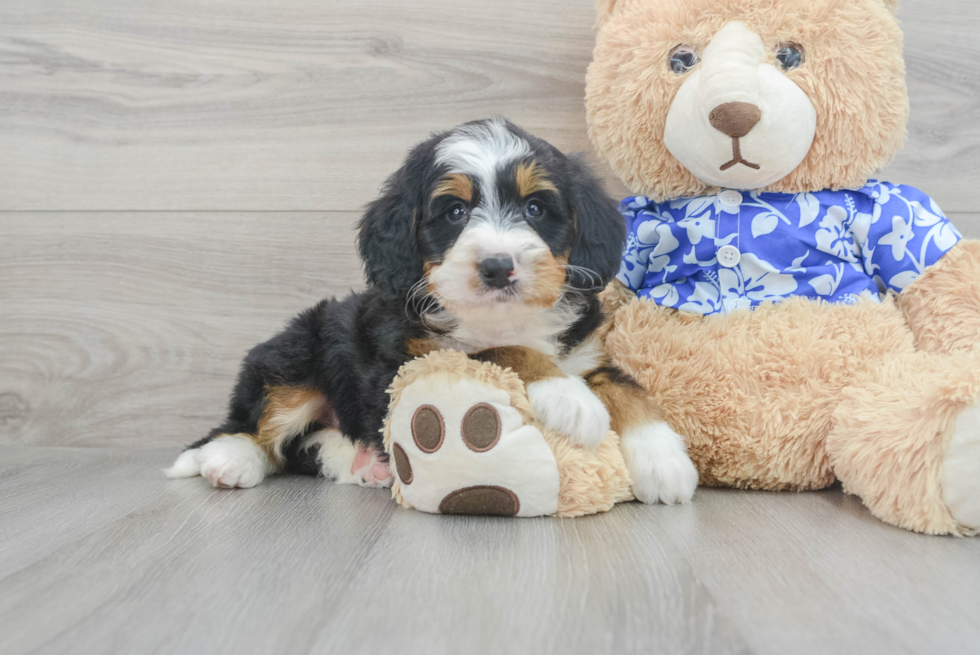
495 271
736 119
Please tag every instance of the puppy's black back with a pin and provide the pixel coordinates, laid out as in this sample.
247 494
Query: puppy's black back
349 350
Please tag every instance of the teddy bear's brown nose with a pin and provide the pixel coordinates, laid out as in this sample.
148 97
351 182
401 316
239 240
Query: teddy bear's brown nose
736 119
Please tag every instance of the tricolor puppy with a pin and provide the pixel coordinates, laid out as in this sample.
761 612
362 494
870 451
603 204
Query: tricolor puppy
487 240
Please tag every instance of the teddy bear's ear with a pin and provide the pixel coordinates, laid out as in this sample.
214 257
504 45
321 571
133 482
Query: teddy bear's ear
604 9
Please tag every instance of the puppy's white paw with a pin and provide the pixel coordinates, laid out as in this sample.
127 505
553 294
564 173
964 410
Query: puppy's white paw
658 462
231 460
346 463
568 406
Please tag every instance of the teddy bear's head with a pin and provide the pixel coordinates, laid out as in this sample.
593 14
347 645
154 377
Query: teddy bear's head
684 96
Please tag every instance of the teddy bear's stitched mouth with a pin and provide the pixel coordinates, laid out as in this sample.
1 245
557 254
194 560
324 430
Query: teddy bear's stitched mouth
737 157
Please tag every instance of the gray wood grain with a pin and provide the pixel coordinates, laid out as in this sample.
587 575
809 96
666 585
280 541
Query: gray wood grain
797 570
128 329
266 105
54 497
302 565
298 105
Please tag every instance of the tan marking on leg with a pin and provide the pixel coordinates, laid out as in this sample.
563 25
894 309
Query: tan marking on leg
287 413
531 177
455 184
530 365
628 403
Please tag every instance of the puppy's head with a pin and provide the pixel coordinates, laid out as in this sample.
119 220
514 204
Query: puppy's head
487 214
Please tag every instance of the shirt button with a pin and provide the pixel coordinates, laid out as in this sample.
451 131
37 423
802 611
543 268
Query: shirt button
730 198
729 256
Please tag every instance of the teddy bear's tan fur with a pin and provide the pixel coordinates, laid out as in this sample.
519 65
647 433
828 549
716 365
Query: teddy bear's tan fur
859 129
795 395
798 394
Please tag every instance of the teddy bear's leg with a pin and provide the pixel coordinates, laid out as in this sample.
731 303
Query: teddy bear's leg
907 441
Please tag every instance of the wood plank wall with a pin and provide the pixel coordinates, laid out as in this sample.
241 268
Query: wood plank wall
177 178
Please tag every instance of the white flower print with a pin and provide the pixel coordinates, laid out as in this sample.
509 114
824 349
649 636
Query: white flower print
706 299
763 281
665 294
666 244
903 279
836 234
946 236
898 238
764 223
698 227
826 285
809 208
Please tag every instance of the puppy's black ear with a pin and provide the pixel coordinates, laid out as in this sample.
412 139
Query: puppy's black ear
600 228
387 232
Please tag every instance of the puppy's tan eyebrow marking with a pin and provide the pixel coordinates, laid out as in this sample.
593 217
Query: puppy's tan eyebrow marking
530 178
455 184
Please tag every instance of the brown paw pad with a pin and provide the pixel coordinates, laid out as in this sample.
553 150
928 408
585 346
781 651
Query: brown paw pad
402 465
428 429
484 499
481 428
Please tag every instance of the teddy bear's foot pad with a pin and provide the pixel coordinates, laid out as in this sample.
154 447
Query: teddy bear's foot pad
459 447
483 499
961 471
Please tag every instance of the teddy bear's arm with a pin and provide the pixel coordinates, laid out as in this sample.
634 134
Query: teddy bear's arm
942 307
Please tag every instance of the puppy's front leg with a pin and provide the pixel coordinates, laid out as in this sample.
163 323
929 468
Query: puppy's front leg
562 403
655 455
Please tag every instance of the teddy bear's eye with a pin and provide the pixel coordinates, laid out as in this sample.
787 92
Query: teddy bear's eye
789 55
682 59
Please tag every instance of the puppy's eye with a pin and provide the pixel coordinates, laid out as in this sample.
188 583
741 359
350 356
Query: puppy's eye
457 213
683 58
789 55
534 209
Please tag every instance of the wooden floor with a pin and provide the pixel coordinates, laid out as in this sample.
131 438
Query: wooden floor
102 554
178 178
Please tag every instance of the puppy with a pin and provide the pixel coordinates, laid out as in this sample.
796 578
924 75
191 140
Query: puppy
489 241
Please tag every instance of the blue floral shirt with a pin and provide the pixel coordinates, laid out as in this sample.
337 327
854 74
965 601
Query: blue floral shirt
735 250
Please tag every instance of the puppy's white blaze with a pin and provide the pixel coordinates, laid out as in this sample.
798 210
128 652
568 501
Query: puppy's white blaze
658 463
568 406
233 460
185 466
457 279
480 150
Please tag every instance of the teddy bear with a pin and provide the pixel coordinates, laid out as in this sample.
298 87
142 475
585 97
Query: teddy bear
799 322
